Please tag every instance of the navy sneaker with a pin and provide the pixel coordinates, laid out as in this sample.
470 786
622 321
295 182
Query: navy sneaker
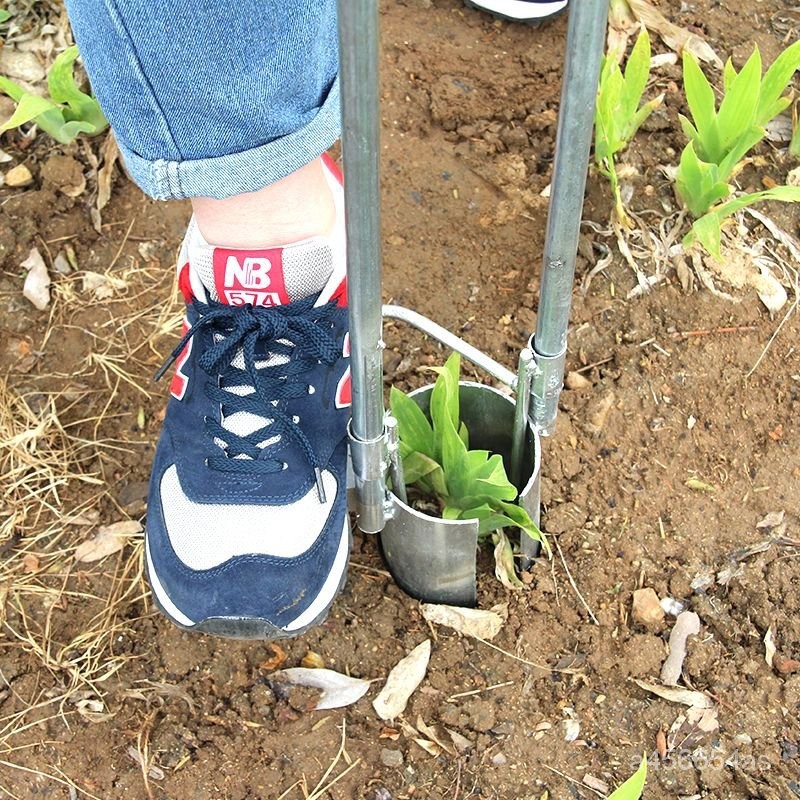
247 527
521 10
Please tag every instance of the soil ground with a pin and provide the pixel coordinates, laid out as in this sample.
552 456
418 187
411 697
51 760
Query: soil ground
101 697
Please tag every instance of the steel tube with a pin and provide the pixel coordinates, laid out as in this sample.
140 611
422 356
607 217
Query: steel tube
453 342
585 43
358 49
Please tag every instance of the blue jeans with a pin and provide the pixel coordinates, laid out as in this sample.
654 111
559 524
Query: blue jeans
210 98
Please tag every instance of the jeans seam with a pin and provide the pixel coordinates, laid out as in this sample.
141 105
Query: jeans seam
136 64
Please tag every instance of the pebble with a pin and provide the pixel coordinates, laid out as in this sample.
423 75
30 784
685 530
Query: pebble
575 380
391 758
647 609
499 760
19 176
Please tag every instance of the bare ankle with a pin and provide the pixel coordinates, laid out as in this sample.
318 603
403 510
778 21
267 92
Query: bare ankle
298 207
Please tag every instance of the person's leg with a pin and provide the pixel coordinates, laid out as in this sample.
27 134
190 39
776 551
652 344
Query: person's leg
231 105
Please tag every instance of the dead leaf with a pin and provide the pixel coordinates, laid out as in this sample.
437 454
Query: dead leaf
432 734
37 282
675 694
389 733
338 690
776 434
404 678
769 647
771 520
312 660
475 622
675 37
596 784
687 624
661 744
461 743
101 285
109 152
504 568
279 655
30 563
109 539
93 710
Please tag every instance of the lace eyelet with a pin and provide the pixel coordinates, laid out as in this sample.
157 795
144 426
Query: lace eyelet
284 466
311 389
295 419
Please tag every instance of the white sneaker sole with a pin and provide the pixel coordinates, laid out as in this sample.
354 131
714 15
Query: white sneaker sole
253 628
520 10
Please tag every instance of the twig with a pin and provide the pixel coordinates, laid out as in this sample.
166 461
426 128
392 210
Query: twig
573 584
480 691
367 568
525 660
572 780
595 364
774 336
121 247
711 331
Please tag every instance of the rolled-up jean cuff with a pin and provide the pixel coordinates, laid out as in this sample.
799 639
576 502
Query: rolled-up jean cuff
237 173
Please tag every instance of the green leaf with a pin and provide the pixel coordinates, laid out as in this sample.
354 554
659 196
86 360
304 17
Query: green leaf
28 108
706 230
417 465
775 82
728 75
697 182
464 434
444 402
702 106
81 107
13 90
4 15
738 107
633 787
413 426
637 73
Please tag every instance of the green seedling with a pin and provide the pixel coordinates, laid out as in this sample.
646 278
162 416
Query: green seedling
620 112
68 111
794 144
4 15
437 461
719 140
633 787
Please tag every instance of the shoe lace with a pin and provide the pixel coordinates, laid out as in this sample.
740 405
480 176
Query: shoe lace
277 346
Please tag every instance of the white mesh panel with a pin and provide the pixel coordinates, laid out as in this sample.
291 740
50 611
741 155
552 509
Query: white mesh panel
205 535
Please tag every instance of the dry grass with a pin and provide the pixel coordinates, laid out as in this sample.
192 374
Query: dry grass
69 621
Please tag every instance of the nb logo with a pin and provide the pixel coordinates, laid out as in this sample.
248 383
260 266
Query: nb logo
252 273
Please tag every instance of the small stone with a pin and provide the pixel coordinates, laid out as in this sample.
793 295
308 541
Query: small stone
61 264
499 760
503 729
19 176
391 758
576 381
572 729
647 609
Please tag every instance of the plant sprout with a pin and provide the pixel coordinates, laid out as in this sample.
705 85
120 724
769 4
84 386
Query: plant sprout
68 111
465 484
620 113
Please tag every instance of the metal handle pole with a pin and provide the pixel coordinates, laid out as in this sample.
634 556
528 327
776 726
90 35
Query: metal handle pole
585 44
358 55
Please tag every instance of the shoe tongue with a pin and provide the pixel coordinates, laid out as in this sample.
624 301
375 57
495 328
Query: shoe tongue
249 276
268 277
